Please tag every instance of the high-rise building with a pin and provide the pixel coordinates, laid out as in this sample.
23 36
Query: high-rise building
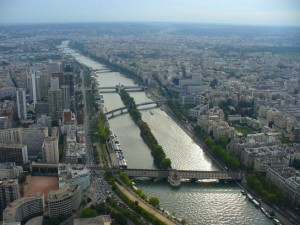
34 137
60 77
53 67
24 208
21 104
9 192
44 85
55 99
66 96
11 136
33 86
69 77
50 150
13 153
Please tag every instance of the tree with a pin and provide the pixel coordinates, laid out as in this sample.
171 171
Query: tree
88 212
154 201
165 163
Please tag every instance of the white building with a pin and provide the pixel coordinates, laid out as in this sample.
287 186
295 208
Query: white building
10 171
21 104
24 208
64 201
9 192
11 136
50 150
74 175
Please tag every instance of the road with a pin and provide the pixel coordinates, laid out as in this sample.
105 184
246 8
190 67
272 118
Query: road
86 123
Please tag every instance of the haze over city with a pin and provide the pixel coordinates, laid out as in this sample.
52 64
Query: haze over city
255 12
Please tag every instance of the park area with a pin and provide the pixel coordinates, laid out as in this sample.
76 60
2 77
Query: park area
41 184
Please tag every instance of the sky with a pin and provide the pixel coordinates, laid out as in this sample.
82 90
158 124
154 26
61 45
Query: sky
249 12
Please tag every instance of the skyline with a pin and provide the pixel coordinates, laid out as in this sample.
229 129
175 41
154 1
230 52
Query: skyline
236 12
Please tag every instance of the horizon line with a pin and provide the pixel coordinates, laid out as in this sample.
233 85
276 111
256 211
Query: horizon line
148 22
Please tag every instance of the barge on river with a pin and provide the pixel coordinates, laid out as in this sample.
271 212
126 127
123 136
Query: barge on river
116 153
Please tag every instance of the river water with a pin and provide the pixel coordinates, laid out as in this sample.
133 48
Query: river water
198 203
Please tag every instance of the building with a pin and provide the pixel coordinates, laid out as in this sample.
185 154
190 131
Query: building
10 171
64 201
50 150
34 138
7 91
24 208
21 104
98 220
55 100
5 122
74 175
287 179
33 86
11 136
9 192
13 153
66 96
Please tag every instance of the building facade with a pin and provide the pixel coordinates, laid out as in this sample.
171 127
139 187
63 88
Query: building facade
64 201
13 153
21 104
50 150
9 192
24 208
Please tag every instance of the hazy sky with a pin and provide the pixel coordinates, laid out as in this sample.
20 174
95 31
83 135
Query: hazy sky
260 12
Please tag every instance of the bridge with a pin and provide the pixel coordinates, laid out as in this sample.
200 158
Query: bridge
125 110
119 87
181 174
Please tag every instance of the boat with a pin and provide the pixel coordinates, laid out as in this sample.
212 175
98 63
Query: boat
151 112
174 179
116 148
265 212
101 98
243 192
255 203
249 197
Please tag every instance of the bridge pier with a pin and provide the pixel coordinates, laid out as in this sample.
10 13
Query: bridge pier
174 178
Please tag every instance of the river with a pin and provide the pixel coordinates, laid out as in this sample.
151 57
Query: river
198 203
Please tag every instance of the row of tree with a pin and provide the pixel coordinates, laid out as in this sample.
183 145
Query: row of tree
160 158
218 147
266 188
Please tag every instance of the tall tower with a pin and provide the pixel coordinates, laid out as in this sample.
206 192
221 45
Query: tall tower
21 104
50 150
55 99
33 81
66 96
33 86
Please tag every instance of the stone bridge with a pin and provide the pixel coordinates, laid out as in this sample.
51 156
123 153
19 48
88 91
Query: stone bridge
125 110
184 174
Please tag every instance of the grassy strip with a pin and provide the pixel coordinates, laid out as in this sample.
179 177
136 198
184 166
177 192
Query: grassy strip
136 207
103 151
